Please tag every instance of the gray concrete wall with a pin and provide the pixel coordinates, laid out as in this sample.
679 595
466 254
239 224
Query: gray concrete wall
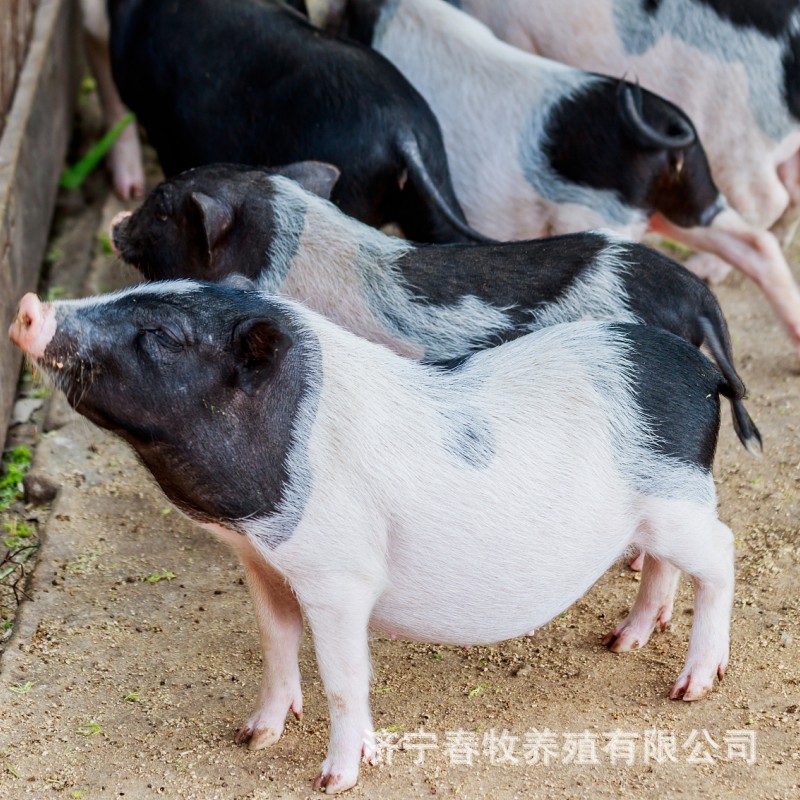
32 150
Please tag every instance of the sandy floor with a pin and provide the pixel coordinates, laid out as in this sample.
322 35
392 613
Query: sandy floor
116 686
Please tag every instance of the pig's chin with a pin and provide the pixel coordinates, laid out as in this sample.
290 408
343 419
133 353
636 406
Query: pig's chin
76 378
71 375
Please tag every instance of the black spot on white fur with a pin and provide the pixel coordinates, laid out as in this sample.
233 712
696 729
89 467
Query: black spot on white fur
469 437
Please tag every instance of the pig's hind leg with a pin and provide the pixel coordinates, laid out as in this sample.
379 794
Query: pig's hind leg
692 539
652 607
280 624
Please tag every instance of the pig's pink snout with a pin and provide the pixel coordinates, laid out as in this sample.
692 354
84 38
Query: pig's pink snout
118 218
33 327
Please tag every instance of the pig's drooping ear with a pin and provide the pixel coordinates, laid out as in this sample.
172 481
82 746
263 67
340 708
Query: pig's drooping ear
316 177
216 215
260 345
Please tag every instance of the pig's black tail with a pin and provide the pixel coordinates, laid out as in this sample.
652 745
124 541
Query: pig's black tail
422 180
733 388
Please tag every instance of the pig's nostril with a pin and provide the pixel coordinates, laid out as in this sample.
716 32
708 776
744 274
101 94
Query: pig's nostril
33 327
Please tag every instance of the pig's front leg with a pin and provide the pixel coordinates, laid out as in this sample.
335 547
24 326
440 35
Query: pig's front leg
280 625
339 627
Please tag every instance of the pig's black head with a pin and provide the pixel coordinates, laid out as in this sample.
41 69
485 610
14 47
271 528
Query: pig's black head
204 381
211 221
613 135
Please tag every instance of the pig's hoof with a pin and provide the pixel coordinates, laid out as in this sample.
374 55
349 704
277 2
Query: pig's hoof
623 640
257 738
634 632
265 726
332 780
127 187
696 681
127 171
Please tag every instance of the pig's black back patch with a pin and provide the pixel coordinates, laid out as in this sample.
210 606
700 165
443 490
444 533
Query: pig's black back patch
520 276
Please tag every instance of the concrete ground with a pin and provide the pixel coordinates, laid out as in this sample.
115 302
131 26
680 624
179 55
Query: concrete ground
137 658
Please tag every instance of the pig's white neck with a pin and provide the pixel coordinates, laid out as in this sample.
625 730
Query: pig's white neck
349 272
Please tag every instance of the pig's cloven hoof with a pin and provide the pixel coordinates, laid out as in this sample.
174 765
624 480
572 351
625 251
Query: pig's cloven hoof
125 160
332 780
265 727
335 782
634 632
695 682
257 738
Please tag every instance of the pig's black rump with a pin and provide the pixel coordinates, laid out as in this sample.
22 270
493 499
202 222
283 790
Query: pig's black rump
252 82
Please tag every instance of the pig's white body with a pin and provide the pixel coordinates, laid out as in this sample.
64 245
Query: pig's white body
541 501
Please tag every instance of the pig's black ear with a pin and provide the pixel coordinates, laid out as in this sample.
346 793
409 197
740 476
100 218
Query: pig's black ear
314 176
260 346
216 215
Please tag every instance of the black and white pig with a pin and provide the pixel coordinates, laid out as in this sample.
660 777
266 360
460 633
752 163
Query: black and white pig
252 82
366 489
437 302
537 147
732 66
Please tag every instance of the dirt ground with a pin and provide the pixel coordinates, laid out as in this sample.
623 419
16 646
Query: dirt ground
130 669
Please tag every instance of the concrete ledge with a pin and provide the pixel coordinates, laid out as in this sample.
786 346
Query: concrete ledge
32 151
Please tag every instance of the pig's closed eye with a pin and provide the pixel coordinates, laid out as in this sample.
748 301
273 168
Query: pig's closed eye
165 338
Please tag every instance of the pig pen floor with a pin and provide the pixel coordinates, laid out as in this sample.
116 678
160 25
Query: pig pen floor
138 656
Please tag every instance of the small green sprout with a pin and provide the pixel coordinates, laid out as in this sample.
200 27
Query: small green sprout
55 253
390 729
23 688
17 464
90 729
161 575
17 532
